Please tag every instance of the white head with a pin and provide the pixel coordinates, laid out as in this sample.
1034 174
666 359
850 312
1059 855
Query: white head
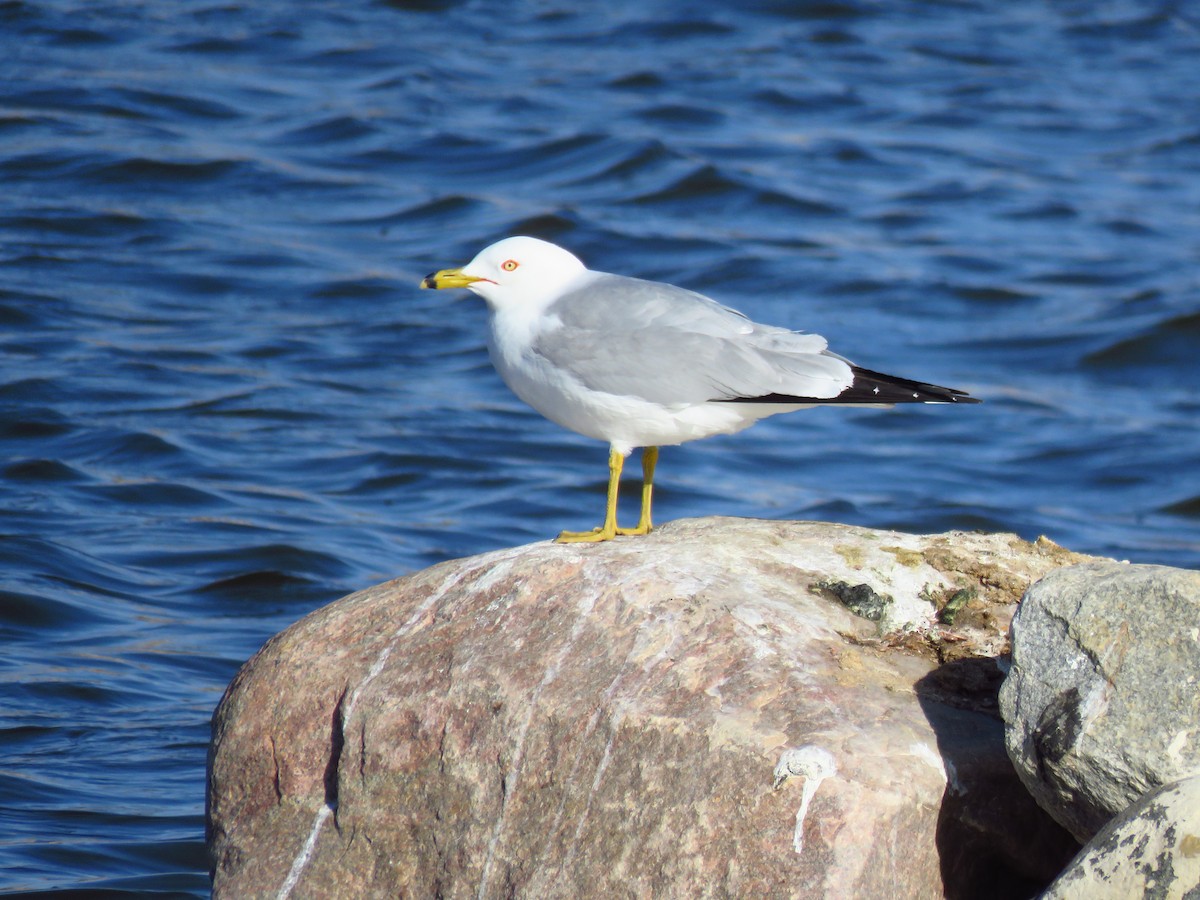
516 271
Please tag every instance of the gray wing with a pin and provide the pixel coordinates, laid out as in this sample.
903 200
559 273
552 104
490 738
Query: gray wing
671 346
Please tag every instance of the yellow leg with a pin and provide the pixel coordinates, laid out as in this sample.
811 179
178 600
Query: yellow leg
608 530
649 461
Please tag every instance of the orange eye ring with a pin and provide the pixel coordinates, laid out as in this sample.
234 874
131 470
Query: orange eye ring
509 265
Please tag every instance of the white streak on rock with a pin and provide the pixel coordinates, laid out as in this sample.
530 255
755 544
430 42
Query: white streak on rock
617 716
815 764
513 777
301 860
924 752
305 855
1177 744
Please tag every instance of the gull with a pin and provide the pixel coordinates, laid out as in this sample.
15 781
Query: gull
643 364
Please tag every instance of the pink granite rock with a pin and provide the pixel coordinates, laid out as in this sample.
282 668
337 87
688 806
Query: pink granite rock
693 713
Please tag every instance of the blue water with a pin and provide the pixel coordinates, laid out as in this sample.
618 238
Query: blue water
224 403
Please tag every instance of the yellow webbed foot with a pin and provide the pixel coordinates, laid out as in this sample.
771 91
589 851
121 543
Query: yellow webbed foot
640 528
587 537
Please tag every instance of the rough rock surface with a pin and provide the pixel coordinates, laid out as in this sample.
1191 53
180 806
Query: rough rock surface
1151 850
1102 703
693 713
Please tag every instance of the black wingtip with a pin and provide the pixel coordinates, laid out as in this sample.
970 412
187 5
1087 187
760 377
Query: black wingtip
875 387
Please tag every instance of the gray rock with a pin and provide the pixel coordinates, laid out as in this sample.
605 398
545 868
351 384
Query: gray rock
1102 703
687 713
1151 851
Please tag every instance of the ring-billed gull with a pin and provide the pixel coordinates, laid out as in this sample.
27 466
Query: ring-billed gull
644 364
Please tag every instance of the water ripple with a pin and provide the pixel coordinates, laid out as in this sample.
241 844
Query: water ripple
223 401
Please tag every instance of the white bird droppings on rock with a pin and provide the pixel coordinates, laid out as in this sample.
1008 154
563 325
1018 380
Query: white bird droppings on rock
815 764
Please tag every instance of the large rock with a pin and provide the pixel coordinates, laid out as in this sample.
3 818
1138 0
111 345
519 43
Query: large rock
693 713
1151 850
1102 703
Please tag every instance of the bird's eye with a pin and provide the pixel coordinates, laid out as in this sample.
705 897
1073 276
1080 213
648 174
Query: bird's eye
509 265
